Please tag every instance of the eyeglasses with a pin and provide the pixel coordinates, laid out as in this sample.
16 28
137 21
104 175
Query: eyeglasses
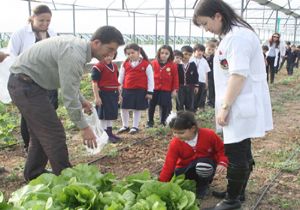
275 37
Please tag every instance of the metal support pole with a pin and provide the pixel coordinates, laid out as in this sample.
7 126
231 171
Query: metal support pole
29 7
74 24
276 21
106 16
202 36
134 38
295 30
242 8
174 45
190 31
167 19
156 20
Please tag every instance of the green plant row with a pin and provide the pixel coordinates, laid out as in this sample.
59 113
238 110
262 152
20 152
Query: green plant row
84 187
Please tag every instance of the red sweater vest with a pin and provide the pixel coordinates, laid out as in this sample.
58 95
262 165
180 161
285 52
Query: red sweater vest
109 77
136 78
166 77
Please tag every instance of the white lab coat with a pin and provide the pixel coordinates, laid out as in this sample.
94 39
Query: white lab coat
23 39
250 115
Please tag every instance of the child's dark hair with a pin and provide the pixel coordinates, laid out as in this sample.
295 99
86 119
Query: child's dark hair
166 47
265 47
183 120
187 48
178 53
209 8
136 47
199 47
108 34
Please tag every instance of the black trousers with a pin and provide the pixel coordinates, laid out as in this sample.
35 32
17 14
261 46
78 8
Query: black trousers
48 139
53 97
185 98
272 69
190 171
200 97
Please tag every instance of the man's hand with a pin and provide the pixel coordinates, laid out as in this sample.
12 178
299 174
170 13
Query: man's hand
89 137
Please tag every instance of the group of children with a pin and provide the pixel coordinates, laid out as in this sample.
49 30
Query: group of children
142 84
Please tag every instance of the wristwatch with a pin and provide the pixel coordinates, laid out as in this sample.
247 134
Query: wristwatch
225 106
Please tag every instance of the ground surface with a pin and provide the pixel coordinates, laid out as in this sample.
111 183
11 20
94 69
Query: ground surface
271 153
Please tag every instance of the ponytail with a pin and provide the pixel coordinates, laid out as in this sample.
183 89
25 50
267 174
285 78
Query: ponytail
135 47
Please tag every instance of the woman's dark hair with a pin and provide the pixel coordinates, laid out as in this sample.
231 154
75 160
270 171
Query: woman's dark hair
40 9
183 120
209 8
277 42
108 34
135 47
166 47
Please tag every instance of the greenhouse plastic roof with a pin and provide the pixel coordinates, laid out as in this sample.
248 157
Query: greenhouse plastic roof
261 14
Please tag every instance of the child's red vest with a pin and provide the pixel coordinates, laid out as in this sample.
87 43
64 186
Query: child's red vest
109 77
136 78
166 77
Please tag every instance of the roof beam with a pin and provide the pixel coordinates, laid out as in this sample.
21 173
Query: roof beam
277 7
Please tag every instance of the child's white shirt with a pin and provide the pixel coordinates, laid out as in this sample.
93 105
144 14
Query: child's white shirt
202 68
193 141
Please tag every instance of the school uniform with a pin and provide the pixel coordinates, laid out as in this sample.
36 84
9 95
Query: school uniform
188 80
165 81
106 76
203 69
291 61
183 155
137 80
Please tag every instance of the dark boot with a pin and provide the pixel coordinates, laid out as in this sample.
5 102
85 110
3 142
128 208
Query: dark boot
111 138
113 135
236 179
150 124
242 195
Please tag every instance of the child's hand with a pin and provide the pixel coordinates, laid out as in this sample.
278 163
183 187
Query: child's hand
174 93
98 101
196 90
221 169
148 96
120 99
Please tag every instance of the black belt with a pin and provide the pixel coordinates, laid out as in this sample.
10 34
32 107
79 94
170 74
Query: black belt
23 77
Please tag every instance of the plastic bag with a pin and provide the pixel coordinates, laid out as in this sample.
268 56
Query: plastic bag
102 137
4 75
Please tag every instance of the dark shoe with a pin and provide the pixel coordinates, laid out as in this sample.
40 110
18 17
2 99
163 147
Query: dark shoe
133 130
123 130
226 204
150 124
113 140
223 194
117 137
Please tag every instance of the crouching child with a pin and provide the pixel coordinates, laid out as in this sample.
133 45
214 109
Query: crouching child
198 153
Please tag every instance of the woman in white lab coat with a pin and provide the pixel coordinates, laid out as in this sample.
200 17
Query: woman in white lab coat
243 106
274 55
35 31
